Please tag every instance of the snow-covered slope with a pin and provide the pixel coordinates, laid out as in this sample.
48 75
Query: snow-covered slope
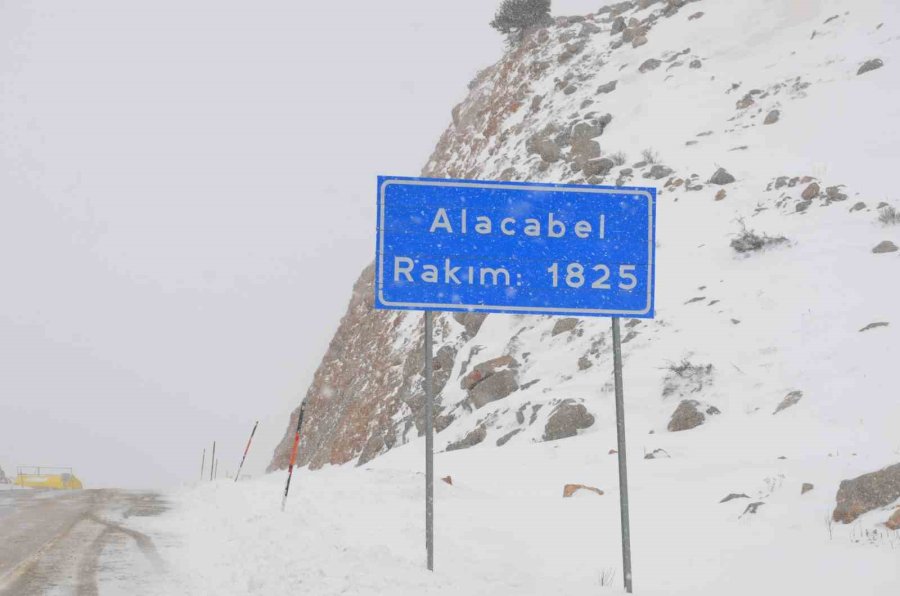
737 331
784 351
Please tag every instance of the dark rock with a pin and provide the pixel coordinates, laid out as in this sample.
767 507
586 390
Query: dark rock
546 148
733 496
870 65
874 326
772 117
649 64
695 64
505 438
789 400
566 420
584 363
570 89
867 492
607 87
657 454
485 369
721 177
809 193
806 488
696 16
497 386
686 416
563 325
659 171
858 206
475 437
833 194
638 41
448 480
598 167
885 247
752 508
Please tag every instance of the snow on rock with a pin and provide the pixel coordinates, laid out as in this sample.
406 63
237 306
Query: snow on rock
867 492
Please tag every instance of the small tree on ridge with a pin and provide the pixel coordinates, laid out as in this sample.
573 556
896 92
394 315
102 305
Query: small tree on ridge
515 17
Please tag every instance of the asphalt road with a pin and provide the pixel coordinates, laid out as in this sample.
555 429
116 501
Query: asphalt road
62 542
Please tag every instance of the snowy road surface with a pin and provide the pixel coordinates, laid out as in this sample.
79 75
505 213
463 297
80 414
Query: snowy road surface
71 542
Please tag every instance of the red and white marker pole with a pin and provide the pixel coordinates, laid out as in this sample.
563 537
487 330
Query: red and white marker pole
287 486
246 449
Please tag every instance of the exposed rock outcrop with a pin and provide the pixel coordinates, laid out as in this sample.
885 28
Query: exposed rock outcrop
867 492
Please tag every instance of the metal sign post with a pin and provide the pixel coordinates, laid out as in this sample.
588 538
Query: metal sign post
429 442
520 248
623 469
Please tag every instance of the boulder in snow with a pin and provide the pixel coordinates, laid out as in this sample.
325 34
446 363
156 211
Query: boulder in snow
789 400
571 489
474 437
497 386
566 420
690 414
867 492
649 64
721 177
869 65
884 246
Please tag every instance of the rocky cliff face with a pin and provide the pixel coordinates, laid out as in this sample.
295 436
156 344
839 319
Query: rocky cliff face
729 128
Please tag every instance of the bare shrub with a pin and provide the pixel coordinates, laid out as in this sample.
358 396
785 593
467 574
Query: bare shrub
650 156
749 241
620 159
686 377
888 216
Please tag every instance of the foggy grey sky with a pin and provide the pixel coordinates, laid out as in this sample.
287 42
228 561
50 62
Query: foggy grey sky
186 197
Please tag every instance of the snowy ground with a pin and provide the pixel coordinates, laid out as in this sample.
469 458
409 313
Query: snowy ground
504 528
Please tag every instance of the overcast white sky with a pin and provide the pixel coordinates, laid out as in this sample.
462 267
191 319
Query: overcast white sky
186 197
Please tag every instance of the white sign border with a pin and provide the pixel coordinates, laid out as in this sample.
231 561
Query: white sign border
511 309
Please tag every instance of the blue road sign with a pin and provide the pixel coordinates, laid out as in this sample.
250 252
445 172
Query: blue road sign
515 247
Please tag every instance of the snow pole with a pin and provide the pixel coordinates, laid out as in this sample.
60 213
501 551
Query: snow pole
287 486
212 462
203 464
246 449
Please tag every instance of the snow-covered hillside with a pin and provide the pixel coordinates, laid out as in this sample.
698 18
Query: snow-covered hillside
770 129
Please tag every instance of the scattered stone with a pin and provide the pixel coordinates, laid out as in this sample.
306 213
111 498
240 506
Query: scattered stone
696 16
789 400
721 177
806 488
618 26
607 87
688 415
546 148
893 523
649 64
733 496
658 171
809 193
638 41
569 90
584 363
695 64
885 247
721 194
497 386
833 194
745 102
752 508
571 489
870 65
472 321
448 480
867 492
874 326
505 438
485 369
859 206
612 452
802 206
475 437
563 325
657 454
598 167
772 117
566 420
